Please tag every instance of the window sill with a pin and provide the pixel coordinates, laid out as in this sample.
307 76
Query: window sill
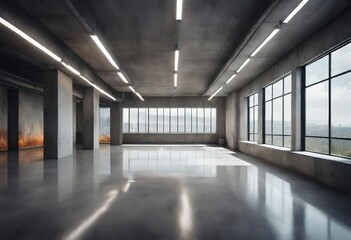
268 146
170 133
324 157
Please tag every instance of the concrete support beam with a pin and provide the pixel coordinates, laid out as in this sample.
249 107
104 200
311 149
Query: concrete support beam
91 118
297 112
116 124
58 93
13 113
231 121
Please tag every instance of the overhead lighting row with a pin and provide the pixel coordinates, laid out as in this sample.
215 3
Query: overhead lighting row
179 13
113 63
51 54
270 36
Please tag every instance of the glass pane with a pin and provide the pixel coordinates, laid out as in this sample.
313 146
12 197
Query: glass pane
317 145
255 137
181 116
256 119
104 125
317 71
287 114
340 105
194 120
142 120
251 101
133 120
153 120
166 120
125 120
341 147
268 93
278 141
174 120
268 117
340 60
200 120
287 84
160 120
251 120
214 120
278 116
268 139
287 141
188 120
278 88
256 99
207 120
251 137
317 110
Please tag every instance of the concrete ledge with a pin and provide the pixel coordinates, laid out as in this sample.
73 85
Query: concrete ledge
169 138
332 171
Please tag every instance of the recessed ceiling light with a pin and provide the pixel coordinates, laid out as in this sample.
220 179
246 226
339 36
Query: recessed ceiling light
131 88
244 64
175 80
70 68
141 98
176 60
231 78
218 90
295 11
104 51
97 88
29 39
275 31
122 77
179 10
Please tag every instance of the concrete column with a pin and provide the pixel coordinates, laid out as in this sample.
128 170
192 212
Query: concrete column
13 112
58 94
231 121
116 124
74 119
296 110
91 118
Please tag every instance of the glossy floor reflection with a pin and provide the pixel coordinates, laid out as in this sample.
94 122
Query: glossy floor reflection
163 192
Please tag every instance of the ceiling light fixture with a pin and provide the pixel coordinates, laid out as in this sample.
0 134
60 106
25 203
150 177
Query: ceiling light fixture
295 11
179 10
176 60
141 98
131 88
29 39
243 65
122 77
104 51
70 68
231 78
175 80
219 89
97 88
275 31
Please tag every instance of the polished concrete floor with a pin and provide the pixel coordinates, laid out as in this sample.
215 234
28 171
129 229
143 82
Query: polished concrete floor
163 192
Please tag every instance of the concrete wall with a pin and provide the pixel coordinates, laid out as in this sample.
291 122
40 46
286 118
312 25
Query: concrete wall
336 173
175 102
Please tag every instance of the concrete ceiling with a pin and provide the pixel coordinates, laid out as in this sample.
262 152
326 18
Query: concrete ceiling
142 36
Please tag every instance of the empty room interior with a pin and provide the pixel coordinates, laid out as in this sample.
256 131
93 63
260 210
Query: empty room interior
175 119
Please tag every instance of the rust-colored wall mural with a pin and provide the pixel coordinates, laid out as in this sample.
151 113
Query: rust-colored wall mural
104 136
30 120
3 119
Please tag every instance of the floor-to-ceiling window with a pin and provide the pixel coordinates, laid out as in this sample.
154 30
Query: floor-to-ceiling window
104 136
277 107
253 117
170 120
327 103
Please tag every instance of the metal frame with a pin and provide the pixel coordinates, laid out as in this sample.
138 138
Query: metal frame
248 114
329 81
282 96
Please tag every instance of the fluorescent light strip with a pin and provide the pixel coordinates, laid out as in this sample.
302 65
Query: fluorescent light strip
231 78
97 88
175 80
104 51
29 39
131 88
176 60
219 89
122 77
244 64
179 10
70 68
275 31
295 11
141 98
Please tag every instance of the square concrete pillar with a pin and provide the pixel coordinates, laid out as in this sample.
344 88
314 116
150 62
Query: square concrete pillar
116 132
58 94
12 120
297 114
91 118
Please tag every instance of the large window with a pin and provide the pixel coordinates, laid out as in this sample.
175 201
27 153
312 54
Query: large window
104 136
327 103
253 117
277 106
169 120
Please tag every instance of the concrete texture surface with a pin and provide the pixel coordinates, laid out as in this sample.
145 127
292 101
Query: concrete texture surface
91 117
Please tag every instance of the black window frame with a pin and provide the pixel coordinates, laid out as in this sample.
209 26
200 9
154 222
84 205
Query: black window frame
253 95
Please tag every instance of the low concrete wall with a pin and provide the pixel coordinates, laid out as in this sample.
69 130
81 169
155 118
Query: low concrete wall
332 171
170 138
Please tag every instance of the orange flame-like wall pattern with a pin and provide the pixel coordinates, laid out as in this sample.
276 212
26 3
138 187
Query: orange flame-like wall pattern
3 119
